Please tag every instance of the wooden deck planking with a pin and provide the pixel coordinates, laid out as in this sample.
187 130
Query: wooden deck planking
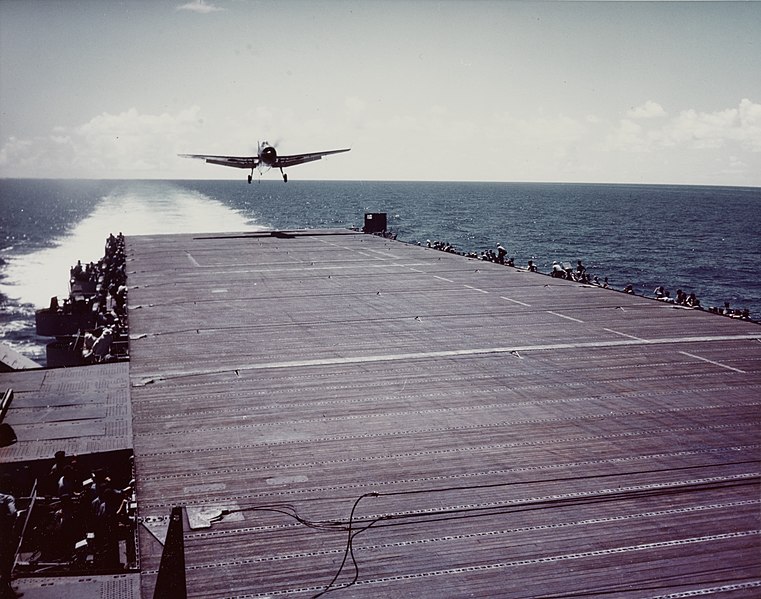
312 370
77 410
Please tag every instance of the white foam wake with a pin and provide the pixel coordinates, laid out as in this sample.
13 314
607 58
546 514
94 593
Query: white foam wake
133 208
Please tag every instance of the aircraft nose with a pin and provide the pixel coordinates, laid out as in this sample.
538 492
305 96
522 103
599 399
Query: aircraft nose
269 155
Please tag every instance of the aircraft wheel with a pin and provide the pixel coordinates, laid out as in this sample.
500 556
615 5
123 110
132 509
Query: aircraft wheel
285 178
249 179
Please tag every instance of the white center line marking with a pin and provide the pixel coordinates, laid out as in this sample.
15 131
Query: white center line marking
443 279
684 353
514 301
385 254
623 334
366 255
564 316
318 362
475 288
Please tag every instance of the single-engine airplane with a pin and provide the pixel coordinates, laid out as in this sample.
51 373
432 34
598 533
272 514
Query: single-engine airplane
265 159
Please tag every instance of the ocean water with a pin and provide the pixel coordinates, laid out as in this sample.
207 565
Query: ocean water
701 239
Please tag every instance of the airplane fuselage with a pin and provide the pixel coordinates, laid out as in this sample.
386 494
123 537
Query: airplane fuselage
267 154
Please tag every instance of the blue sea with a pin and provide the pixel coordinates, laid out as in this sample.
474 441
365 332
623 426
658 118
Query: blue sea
699 239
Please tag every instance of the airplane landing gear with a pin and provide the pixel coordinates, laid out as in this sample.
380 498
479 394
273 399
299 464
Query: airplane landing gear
249 179
285 177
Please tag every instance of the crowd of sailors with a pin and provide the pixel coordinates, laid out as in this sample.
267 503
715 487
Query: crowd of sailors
89 514
564 270
98 290
81 518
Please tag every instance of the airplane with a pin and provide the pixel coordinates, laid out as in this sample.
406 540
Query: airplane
266 158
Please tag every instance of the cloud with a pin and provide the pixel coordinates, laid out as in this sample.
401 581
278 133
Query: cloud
16 151
648 110
703 130
690 129
108 145
749 116
199 6
426 143
629 136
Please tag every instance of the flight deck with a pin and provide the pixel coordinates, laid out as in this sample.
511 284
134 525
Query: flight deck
344 415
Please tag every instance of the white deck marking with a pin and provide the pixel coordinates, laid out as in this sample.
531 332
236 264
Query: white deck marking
386 254
564 316
332 265
443 279
193 261
417 270
624 335
514 301
684 353
475 288
168 375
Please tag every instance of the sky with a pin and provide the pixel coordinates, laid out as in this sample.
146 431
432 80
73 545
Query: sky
608 92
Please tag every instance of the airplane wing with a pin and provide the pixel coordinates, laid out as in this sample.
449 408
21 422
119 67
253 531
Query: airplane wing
234 161
283 161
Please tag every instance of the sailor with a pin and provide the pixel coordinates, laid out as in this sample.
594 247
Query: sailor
8 515
50 485
107 528
501 253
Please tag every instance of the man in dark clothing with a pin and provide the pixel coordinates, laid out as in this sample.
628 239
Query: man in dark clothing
8 540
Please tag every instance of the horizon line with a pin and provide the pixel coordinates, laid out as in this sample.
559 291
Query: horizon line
429 181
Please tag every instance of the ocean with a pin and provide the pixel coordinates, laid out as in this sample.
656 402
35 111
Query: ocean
695 238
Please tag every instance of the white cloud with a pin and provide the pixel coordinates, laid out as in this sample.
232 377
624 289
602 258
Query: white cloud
628 135
750 123
108 145
432 142
199 6
691 129
703 130
16 152
648 110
